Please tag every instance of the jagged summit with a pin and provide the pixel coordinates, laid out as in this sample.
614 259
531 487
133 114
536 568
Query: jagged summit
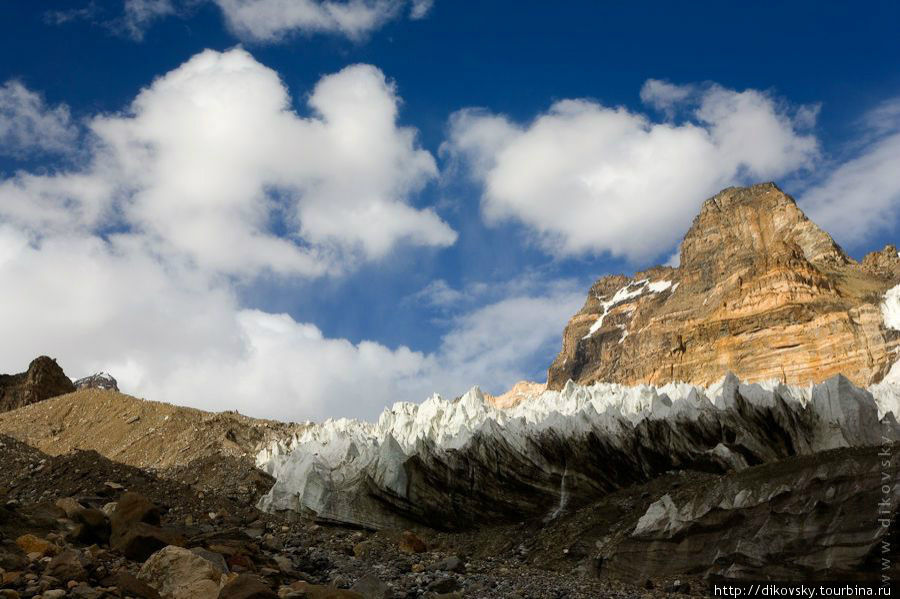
741 224
760 291
43 379
98 380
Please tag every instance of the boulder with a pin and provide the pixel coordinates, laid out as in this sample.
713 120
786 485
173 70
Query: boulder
67 566
450 564
315 591
92 526
69 505
85 591
134 528
129 584
29 544
131 508
362 549
371 587
216 559
140 541
178 573
246 586
410 543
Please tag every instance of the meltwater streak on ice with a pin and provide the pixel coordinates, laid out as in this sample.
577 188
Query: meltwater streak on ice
563 497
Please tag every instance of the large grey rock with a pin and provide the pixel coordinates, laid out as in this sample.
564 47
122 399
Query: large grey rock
135 530
178 573
246 586
371 587
67 565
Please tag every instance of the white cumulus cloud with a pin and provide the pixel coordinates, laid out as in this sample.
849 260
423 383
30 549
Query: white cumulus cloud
861 196
171 332
139 14
665 96
28 125
253 21
589 178
420 8
273 20
207 180
502 342
210 159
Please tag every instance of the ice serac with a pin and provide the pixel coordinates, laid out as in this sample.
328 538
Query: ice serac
760 291
454 464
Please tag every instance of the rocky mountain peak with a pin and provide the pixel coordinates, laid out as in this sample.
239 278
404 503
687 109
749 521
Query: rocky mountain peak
43 379
884 261
760 291
99 380
743 225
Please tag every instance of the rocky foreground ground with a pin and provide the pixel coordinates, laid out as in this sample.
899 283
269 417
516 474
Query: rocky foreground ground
81 526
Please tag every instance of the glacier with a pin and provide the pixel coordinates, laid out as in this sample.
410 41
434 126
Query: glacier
457 463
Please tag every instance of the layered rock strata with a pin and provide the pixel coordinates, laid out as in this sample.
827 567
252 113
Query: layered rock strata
760 291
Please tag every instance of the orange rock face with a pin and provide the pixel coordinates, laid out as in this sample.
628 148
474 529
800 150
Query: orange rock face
520 391
761 291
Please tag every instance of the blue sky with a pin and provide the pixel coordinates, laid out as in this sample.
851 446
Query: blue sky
390 198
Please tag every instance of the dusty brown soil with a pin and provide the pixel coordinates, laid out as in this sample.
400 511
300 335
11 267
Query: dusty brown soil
146 434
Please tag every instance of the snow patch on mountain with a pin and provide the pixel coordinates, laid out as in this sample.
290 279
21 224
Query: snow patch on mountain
99 380
628 292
